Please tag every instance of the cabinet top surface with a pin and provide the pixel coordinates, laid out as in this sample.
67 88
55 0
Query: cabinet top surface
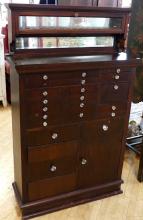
76 59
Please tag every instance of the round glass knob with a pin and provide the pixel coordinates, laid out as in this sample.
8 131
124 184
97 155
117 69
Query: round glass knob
45 93
81 115
83 161
54 136
45 101
53 168
82 98
117 76
45 109
116 87
84 74
83 82
105 127
45 124
81 105
113 107
45 117
45 77
118 70
113 114
82 90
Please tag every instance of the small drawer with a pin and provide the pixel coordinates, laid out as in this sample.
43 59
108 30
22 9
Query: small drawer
52 186
50 169
114 76
111 111
52 134
113 93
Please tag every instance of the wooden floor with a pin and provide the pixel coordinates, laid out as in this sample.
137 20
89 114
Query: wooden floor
127 206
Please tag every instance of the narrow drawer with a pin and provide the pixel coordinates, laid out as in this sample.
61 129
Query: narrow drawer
51 187
52 134
65 78
112 110
113 93
123 76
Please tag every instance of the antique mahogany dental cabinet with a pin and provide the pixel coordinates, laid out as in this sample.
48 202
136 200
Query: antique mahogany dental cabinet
71 86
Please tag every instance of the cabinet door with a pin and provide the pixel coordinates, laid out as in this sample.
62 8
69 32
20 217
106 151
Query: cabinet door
107 3
100 152
75 2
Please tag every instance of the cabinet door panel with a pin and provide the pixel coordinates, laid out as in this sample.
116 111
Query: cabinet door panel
101 149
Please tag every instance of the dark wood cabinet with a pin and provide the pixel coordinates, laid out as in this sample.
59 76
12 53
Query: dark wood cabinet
69 111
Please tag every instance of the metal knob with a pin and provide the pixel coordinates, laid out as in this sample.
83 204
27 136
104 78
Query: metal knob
83 81
82 98
45 77
45 124
82 90
45 101
113 114
84 74
53 168
45 109
116 87
105 127
45 117
118 70
113 107
83 161
45 93
117 77
81 105
54 136
81 115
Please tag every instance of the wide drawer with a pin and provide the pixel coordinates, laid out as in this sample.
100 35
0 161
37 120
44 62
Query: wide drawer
64 78
52 152
51 186
52 134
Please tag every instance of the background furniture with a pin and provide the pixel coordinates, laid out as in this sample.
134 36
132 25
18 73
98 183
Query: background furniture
2 73
71 94
136 145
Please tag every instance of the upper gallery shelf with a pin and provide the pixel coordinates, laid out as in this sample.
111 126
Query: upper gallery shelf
66 29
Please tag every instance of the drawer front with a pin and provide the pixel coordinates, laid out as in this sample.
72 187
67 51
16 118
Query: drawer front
62 105
50 169
116 75
113 93
112 110
64 78
52 134
52 152
51 187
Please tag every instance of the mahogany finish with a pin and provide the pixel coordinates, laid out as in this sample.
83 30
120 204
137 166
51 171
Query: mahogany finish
70 117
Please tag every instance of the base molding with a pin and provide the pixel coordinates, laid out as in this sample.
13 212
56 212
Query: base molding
48 205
